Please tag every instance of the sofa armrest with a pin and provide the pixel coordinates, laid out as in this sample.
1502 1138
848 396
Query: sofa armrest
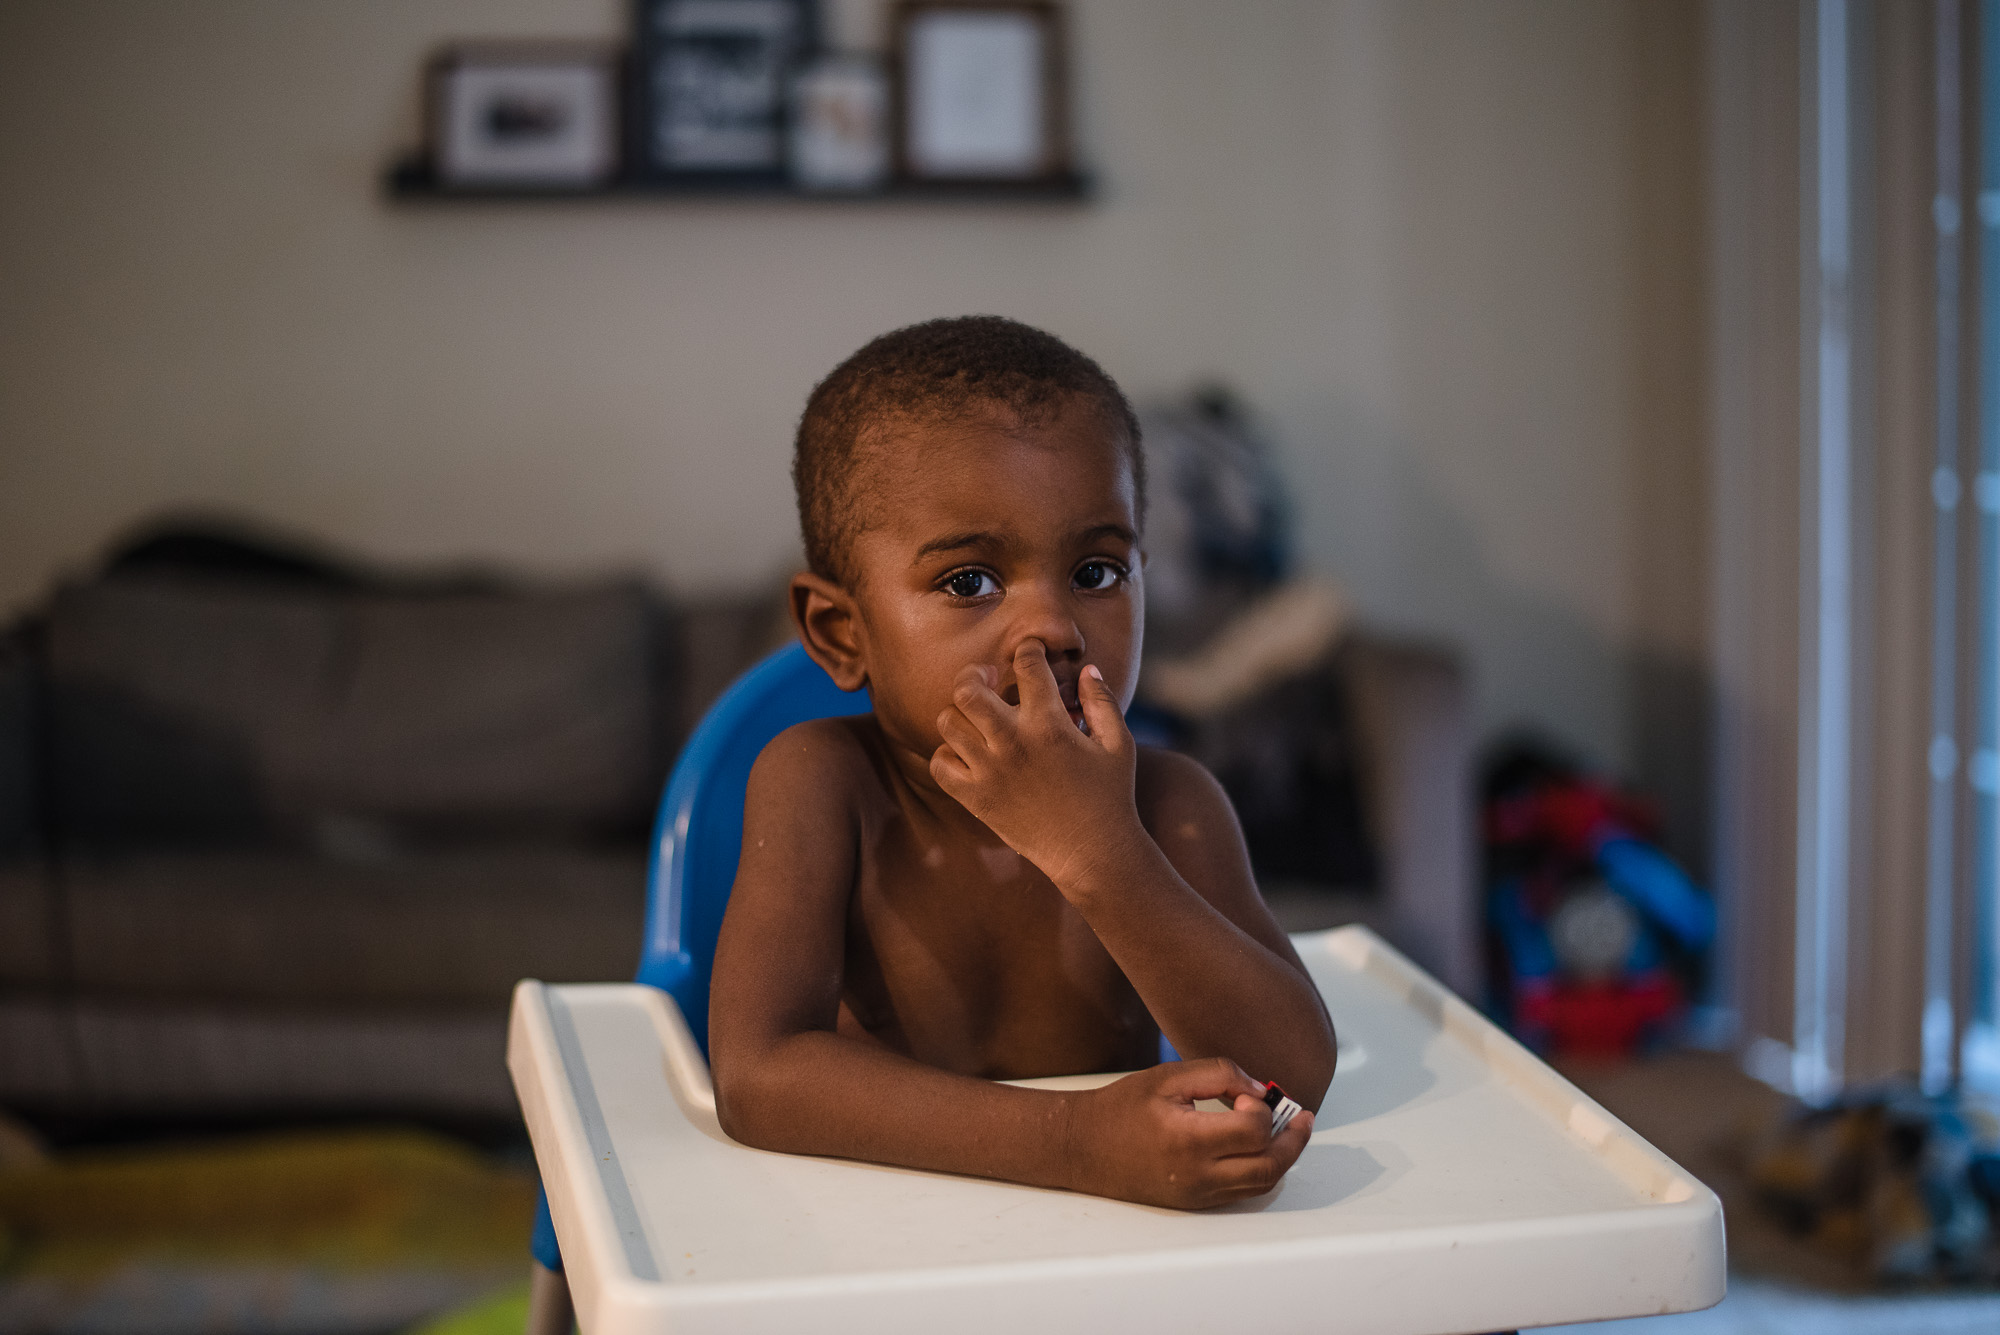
27 924
1412 715
19 821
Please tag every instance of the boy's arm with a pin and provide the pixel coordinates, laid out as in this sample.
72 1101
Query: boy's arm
1253 1003
1179 912
785 1079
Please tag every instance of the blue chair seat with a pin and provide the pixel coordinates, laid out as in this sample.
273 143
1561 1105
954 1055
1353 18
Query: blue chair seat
698 836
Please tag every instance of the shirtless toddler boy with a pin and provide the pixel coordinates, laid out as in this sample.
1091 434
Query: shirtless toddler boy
985 878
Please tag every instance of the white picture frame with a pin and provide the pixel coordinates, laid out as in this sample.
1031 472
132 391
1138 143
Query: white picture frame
840 125
982 96
532 116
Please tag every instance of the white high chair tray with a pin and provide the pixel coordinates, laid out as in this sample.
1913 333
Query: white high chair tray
1453 1183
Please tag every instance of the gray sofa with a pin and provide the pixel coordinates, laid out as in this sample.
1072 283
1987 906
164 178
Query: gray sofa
269 846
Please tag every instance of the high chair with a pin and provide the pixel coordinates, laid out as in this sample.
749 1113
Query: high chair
696 838
1453 1183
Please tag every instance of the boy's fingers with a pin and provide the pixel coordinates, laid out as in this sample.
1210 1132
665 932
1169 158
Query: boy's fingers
1260 1170
1039 692
1248 1174
951 773
975 697
1226 1135
1211 1078
1245 1175
961 734
1100 708
1290 1143
974 676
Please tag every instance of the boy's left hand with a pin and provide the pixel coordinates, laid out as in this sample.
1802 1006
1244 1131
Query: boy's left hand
1058 797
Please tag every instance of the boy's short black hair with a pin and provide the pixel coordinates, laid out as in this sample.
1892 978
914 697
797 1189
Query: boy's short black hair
940 370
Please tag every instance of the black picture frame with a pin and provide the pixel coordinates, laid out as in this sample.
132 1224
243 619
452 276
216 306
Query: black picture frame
1051 161
708 91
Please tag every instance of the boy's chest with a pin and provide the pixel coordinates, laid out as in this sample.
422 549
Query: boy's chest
968 957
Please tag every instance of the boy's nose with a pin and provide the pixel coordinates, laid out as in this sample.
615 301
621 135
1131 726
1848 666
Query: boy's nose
1046 618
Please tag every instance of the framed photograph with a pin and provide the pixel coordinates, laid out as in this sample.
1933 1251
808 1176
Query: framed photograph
712 84
982 92
540 115
840 124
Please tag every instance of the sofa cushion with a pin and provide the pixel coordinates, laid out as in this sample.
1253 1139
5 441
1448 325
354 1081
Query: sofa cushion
720 638
444 927
200 710
152 1059
28 925
19 813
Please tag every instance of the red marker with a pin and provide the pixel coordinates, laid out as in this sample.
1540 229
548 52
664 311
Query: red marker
1283 1110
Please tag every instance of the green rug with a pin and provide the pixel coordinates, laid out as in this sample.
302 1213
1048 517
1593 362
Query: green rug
503 1313
329 1233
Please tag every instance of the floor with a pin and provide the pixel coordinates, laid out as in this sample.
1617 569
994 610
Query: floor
1696 1108
1767 1307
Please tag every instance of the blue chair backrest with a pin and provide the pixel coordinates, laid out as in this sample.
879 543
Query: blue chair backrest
699 833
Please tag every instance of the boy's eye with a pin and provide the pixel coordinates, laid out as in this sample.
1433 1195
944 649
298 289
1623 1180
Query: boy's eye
1097 575
971 584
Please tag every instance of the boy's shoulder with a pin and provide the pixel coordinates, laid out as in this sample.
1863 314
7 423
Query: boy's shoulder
843 739
1170 786
821 758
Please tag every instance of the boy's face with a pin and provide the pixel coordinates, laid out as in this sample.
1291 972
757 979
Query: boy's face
982 534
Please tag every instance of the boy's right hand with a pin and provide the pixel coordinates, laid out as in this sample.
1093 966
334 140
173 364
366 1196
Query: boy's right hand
1142 1139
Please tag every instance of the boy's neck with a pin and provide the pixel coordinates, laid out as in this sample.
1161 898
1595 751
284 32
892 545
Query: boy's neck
914 770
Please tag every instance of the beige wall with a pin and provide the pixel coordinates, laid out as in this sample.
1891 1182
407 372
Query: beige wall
1414 234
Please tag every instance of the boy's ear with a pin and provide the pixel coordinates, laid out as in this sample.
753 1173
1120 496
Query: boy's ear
830 628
